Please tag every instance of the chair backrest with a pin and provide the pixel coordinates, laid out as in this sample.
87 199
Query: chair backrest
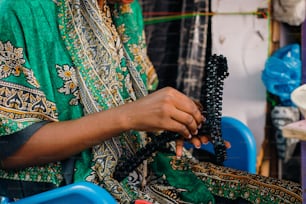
77 193
242 154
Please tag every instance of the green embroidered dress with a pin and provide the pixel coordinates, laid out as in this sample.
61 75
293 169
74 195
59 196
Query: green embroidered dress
45 68
60 60
37 77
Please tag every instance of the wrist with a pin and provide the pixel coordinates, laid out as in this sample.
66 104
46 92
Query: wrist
125 117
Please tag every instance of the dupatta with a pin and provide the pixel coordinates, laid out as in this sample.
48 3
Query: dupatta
108 77
112 69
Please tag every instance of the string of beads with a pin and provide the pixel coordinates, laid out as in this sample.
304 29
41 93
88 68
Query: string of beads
211 99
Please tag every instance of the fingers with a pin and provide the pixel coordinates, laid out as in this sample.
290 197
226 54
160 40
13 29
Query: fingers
165 109
185 104
227 144
179 128
197 142
186 120
179 147
199 105
204 139
172 110
180 144
185 110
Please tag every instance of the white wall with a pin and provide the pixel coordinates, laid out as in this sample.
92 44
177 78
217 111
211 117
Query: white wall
244 40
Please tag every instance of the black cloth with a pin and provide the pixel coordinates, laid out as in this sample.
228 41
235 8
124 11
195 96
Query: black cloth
163 40
11 143
194 48
178 48
19 189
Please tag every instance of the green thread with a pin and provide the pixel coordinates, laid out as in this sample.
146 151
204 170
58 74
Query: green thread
168 18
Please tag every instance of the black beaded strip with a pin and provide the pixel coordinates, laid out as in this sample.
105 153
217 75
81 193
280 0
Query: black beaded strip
211 99
128 163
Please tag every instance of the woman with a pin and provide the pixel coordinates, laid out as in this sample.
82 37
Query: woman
74 100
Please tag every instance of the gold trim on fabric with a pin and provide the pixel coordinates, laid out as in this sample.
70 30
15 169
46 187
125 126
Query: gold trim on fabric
18 102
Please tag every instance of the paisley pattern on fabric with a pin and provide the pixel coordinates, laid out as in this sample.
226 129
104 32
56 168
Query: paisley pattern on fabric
50 173
129 23
11 63
105 81
18 102
228 183
31 89
68 74
29 103
251 187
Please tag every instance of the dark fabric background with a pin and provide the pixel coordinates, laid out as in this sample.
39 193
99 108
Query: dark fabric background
179 48
163 40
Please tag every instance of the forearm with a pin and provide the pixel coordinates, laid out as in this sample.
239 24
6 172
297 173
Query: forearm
166 109
59 140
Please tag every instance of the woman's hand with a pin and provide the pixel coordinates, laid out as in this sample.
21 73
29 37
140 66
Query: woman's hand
165 109
197 140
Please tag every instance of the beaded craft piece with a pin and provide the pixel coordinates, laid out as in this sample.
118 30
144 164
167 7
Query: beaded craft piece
211 101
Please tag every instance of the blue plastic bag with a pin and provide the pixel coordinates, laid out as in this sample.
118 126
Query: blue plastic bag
282 72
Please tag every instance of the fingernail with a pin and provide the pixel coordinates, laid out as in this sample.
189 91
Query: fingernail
229 146
178 157
199 127
205 143
196 132
198 147
189 136
203 119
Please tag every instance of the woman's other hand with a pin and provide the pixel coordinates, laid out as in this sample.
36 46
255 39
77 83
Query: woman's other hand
197 140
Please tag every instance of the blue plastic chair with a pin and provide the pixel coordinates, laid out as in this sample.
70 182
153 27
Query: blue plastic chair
77 193
242 154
